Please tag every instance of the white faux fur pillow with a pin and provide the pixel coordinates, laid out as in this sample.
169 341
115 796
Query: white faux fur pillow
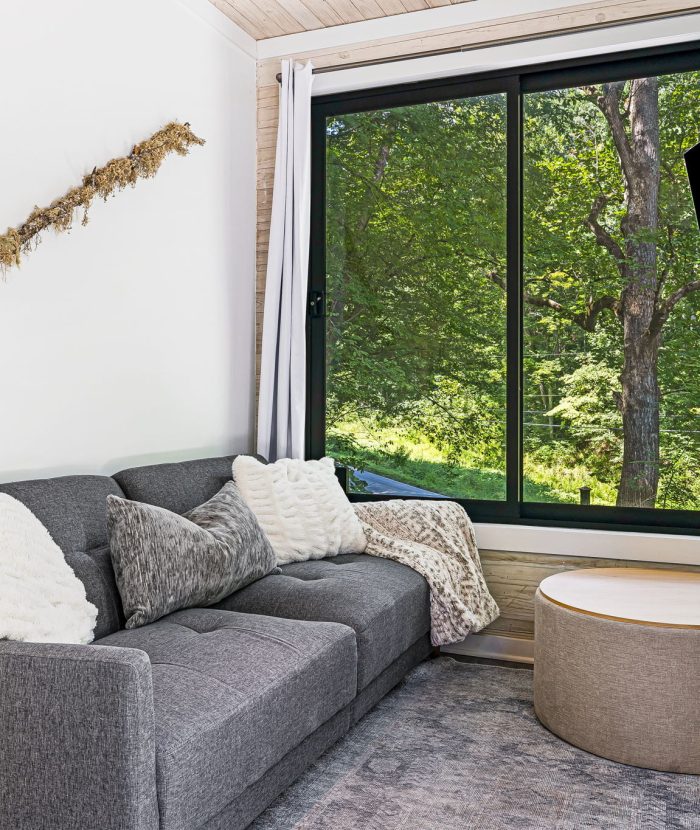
41 599
301 507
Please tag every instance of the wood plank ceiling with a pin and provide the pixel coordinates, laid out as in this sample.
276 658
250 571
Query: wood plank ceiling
272 18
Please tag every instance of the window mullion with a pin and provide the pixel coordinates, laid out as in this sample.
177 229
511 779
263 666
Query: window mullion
514 296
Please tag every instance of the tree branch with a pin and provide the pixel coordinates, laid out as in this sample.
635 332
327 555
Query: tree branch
530 299
609 104
586 320
602 236
664 311
374 188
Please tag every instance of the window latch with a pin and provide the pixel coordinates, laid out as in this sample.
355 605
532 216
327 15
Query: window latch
317 304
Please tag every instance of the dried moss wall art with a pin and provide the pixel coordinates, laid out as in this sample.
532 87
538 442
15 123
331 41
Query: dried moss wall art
142 162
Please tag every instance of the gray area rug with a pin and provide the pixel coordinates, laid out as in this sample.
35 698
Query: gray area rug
457 746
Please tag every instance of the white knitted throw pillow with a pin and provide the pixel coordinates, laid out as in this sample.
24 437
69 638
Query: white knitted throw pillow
41 599
301 507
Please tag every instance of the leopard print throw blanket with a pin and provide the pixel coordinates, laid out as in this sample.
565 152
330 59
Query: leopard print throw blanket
436 539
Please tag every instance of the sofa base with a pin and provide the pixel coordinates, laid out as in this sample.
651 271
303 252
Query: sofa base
243 810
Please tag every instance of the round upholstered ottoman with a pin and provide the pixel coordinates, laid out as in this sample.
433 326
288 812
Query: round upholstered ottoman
617 664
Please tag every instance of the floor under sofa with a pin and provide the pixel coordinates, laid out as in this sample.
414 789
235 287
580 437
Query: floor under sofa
457 746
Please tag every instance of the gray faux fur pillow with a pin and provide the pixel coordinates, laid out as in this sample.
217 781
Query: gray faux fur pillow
164 562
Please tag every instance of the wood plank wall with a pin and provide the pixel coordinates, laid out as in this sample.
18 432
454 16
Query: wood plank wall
513 577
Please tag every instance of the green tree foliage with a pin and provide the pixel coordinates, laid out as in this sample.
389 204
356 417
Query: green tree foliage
416 328
416 265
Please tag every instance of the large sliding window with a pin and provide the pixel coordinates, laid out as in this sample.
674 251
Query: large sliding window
505 286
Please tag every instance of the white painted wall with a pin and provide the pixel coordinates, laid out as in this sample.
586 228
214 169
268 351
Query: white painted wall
130 340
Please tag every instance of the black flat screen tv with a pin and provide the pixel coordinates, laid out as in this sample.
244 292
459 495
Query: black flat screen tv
692 166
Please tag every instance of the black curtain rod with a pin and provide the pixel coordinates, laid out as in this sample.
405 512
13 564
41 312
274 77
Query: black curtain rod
453 50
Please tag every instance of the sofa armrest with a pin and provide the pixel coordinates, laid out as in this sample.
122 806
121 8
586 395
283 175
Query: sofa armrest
77 740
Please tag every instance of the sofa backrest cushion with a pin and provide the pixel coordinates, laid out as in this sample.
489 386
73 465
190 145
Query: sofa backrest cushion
74 511
177 487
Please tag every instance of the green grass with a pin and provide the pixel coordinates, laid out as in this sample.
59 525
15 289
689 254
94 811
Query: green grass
562 481
396 454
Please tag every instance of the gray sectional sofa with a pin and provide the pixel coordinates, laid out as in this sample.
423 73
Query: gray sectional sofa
200 719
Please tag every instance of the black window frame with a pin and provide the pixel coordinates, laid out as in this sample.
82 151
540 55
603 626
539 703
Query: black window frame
515 83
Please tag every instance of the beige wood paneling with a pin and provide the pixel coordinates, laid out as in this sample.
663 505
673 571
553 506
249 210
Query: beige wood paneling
271 18
513 579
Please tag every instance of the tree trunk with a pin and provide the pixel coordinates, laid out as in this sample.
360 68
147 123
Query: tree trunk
639 478
643 312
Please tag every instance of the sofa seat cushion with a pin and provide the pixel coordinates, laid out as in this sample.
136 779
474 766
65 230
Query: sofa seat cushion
233 693
386 603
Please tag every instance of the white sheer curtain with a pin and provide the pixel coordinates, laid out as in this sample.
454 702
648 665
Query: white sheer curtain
282 395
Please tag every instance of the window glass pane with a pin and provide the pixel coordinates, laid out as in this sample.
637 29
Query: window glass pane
612 352
416 325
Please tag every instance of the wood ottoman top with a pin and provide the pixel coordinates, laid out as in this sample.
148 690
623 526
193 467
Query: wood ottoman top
635 595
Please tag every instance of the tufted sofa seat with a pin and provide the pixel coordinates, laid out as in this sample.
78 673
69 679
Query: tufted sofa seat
385 603
222 681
